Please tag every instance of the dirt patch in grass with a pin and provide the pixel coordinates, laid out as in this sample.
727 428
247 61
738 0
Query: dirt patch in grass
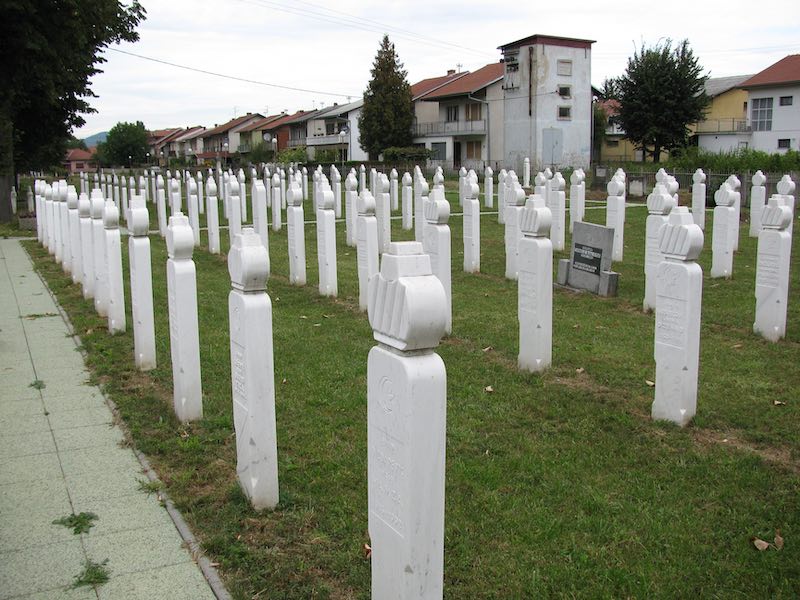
781 457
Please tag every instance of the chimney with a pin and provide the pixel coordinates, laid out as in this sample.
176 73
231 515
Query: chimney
451 71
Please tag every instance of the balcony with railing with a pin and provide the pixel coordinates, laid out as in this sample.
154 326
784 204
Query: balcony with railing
325 140
296 143
450 128
724 126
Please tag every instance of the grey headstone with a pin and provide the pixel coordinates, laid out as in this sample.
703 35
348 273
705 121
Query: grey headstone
589 267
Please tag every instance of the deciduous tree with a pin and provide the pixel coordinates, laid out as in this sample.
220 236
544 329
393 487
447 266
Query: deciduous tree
126 140
388 111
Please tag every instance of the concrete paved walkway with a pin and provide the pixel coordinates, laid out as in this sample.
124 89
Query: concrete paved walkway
60 454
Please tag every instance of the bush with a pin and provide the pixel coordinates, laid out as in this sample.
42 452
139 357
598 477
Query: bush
327 156
293 155
407 154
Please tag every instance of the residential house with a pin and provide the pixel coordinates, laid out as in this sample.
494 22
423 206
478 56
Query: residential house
615 147
461 119
223 140
189 143
725 124
256 131
547 101
280 128
298 129
77 160
428 112
158 140
336 128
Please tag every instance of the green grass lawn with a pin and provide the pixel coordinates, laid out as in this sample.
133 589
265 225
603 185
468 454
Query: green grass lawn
557 485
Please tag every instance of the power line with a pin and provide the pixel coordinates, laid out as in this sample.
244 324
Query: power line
234 78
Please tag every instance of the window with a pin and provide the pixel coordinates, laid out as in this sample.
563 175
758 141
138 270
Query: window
761 115
438 150
511 80
81 165
786 101
612 143
783 144
330 128
565 91
474 150
564 67
452 114
474 111
564 113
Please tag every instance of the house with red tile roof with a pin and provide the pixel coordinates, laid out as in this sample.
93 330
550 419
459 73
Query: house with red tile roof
222 140
77 160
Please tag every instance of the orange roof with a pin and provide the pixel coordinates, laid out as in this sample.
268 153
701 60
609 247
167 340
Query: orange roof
549 40
469 83
284 119
428 85
78 154
230 124
783 72
159 134
260 123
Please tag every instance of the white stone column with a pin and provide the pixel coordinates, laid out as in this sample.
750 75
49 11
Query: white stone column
50 197
373 187
472 228
735 184
488 188
501 196
87 245
63 222
393 189
304 182
615 215
406 419
383 212
55 223
758 199
540 187
277 202
558 209
677 328
201 204
407 204
786 189
100 261
526 173
259 197
436 242
699 198
252 370
242 198
326 243
115 192
367 245
577 198
515 204
535 288
772 270
212 216
362 178
659 205
74 226
192 203
116 289
161 206
420 193
722 238
144 341
283 189
235 206
184 333
462 178
295 230
225 192
38 186
336 184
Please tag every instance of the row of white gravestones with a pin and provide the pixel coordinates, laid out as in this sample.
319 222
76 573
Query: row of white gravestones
406 426
659 204
436 242
577 197
366 245
725 230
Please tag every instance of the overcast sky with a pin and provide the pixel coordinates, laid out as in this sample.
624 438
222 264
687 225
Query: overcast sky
328 48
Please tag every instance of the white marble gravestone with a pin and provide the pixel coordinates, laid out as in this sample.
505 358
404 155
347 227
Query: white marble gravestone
615 215
736 185
252 370
184 336
540 186
772 270
277 202
659 204
436 242
577 197
283 190
362 178
535 288
144 341
74 221
758 199
558 209
87 244
63 219
326 243
235 207
161 206
295 229
258 196
722 238
366 245
55 223
406 420
462 178
336 185
472 228
100 261
242 197
407 205
419 209
488 188
393 189
304 183
192 204
383 212
175 204
677 329
501 196
526 173
350 212
699 198
212 216
785 188
373 187
116 289
515 204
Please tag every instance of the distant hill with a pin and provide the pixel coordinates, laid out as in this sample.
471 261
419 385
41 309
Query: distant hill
95 139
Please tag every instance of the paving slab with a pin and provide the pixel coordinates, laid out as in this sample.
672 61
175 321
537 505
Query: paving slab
60 455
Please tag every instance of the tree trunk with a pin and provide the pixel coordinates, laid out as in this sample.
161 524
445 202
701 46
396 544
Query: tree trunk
6 167
657 153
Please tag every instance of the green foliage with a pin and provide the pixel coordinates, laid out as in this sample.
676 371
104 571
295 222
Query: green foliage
736 161
261 153
660 94
93 574
297 154
388 112
406 154
599 133
73 142
125 140
327 156
51 50
80 523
